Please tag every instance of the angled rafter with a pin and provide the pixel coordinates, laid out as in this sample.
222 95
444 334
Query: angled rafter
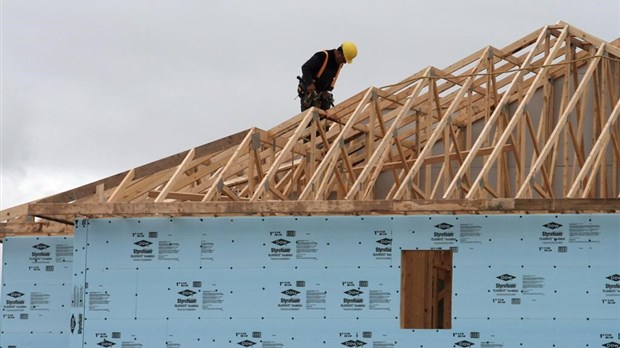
596 154
517 117
561 122
537 118
266 182
325 169
178 172
218 182
445 119
381 149
492 120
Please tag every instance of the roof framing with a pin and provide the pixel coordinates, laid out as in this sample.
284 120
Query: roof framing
535 121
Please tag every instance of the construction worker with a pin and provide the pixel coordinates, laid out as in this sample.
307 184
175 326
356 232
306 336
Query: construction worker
319 75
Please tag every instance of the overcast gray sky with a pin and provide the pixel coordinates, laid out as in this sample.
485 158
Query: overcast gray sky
92 88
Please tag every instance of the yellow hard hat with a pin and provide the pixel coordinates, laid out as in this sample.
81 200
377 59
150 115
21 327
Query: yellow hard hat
349 50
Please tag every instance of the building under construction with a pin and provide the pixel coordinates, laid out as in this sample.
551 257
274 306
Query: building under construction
471 205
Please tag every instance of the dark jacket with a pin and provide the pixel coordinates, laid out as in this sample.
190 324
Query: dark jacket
311 68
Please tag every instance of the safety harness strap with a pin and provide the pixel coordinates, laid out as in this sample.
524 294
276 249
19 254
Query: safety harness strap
318 76
336 77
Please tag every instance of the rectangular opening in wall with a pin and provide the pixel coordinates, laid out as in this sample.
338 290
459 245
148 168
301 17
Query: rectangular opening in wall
426 289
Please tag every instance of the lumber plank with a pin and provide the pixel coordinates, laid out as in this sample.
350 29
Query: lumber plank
328 207
560 123
492 120
516 118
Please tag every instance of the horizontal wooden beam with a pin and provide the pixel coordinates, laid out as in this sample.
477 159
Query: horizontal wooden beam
330 207
181 196
452 156
14 212
34 228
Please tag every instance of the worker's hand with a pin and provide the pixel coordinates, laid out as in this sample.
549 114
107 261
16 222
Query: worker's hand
311 88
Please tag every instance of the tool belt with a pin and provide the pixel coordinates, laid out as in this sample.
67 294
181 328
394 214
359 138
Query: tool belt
315 99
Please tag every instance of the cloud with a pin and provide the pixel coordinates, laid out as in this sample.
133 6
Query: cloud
28 185
90 89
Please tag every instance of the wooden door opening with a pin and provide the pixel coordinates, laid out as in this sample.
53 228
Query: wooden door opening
426 289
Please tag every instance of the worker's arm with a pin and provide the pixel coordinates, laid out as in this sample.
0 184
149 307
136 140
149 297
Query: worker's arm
311 68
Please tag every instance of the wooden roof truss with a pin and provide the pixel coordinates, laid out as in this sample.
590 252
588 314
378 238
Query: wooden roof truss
537 119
